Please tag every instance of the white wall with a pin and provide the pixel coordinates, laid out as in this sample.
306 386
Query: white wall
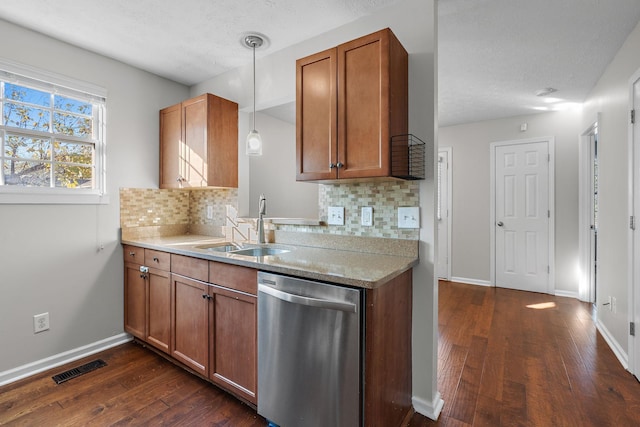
610 97
471 226
276 86
48 253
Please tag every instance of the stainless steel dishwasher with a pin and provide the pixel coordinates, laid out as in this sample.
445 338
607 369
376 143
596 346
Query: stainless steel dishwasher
309 352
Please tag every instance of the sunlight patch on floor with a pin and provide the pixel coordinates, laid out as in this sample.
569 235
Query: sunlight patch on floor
542 305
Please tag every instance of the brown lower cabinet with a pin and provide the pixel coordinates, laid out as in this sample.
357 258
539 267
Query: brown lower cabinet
202 313
208 311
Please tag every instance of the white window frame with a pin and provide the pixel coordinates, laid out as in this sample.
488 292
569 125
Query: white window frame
21 74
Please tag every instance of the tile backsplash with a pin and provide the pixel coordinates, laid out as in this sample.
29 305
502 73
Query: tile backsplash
384 196
155 212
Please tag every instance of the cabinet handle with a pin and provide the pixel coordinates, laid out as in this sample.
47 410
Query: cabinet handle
205 296
332 165
144 276
132 254
340 165
156 259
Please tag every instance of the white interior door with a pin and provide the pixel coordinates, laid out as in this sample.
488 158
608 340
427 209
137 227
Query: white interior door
634 291
522 213
443 214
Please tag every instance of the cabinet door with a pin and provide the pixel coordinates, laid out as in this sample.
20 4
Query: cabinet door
363 107
234 342
135 301
190 323
159 326
171 173
194 118
316 126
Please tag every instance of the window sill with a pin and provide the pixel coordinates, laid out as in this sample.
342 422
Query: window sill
33 198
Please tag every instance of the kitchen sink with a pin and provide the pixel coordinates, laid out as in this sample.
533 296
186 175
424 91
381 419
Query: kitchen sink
260 251
220 247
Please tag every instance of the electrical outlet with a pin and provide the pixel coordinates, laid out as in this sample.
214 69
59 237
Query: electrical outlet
366 216
409 217
209 211
614 306
40 323
336 215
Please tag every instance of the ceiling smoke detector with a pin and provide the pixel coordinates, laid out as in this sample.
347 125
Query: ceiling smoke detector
546 91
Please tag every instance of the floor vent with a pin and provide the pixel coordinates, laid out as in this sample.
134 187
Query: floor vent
80 370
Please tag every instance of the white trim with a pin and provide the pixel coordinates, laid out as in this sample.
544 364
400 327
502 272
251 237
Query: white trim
449 151
428 409
633 272
586 284
623 358
468 281
550 140
567 294
49 77
42 365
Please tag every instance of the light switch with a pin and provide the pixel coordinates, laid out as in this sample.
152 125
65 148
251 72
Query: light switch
366 216
335 215
409 217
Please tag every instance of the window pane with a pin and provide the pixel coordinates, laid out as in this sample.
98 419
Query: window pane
26 174
25 94
26 147
69 124
68 176
72 105
25 117
73 153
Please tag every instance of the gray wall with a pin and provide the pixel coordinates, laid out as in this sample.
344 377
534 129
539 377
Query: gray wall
470 259
48 253
610 97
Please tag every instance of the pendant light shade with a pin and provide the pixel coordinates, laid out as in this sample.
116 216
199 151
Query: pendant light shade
254 140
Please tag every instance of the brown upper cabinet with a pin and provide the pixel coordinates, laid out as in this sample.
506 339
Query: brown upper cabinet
350 101
199 143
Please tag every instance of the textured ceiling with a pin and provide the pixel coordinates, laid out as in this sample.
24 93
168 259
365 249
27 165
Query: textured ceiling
493 55
188 41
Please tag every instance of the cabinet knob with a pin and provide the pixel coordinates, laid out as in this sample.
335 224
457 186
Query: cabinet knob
332 165
132 254
155 259
144 276
180 179
340 165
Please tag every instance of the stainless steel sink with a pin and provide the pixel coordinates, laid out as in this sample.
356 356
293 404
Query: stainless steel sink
220 247
260 251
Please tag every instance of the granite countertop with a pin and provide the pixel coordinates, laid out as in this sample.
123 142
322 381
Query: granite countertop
345 267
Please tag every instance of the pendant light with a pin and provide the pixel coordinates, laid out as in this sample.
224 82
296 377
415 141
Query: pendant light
254 141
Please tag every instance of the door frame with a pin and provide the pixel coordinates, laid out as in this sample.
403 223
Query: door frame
550 140
633 357
586 283
449 207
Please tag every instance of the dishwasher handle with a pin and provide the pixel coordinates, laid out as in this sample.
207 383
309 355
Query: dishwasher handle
309 301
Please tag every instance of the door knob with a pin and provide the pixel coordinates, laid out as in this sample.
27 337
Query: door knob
500 223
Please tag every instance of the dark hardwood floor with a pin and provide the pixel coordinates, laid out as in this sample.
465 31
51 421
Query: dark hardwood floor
511 358
506 358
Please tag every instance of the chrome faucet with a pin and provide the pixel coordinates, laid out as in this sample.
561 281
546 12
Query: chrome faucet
262 210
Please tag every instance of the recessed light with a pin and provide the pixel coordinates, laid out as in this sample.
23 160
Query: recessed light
546 91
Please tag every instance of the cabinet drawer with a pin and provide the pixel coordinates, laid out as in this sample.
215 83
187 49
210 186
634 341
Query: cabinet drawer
133 254
190 267
157 259
243 279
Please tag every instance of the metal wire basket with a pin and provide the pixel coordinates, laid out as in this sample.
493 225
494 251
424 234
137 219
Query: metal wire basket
408 157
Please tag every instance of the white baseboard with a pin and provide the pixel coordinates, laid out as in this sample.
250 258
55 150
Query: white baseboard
471 281
428 409
42 365
613 344
567 294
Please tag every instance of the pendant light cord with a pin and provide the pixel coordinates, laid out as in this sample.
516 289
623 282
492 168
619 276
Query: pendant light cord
254 85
